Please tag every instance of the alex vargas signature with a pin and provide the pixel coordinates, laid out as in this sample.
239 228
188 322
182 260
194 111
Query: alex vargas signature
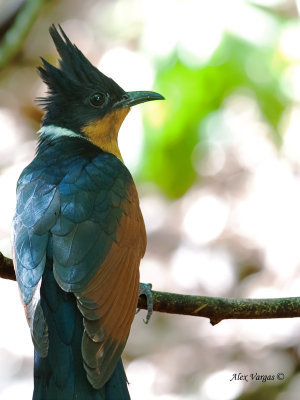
257 377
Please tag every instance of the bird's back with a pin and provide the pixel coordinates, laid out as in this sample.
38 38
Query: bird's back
72 200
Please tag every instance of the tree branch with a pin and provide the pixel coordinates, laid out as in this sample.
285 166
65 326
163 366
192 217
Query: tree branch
214 308
6 268
218 308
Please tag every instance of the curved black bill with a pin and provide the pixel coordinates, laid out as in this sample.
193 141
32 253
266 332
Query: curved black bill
133 98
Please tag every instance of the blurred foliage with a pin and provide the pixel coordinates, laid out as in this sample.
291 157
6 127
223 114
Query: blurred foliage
21 15
265 391
192 94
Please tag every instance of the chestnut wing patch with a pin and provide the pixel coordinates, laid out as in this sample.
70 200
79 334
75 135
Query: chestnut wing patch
109 301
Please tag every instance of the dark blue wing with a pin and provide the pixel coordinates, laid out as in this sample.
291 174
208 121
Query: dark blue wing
38 205
84 213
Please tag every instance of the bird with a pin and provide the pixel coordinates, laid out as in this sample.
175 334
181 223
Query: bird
78 232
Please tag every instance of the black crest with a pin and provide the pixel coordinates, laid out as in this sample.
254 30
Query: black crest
75 71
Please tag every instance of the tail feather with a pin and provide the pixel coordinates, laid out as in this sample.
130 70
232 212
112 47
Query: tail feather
61 374
116 388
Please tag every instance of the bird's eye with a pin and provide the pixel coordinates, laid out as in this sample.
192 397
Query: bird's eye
97 99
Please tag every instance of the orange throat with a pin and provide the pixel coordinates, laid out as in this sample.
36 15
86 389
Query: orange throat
104 132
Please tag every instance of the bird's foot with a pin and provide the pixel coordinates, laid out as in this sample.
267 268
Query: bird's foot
145 289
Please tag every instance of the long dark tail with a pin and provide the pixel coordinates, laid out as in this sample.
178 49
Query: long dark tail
61 376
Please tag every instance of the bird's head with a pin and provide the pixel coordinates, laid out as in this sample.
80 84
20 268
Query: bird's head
84 100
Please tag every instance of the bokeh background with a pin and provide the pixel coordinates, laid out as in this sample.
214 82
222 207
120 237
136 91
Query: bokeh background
217 167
